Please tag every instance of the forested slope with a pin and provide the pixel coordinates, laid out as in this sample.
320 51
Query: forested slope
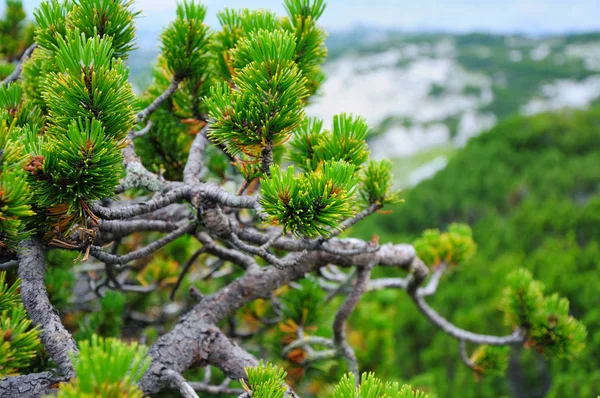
530 190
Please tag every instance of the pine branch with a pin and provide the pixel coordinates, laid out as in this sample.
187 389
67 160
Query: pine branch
142 132
332 273
172 349
434 281
208 374
204 344
212 270
236 257
321 356
358 217
462 349
339 323
32 385
141 208
344 247
19 68
136 174
111 272
388 283
419 273
178 381
217 194
307 342
121 228
402 283
172 213
367 248
56 339
8 265
184 271
193 167
145 114
108 258
257 251
212 389
137 288
447 327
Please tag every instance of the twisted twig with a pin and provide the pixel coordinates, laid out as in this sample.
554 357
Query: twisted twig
184 271
19 68
145 113
462 349
158 202
339 323
193 167
108 258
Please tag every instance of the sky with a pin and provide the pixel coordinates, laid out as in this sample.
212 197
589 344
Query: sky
501 16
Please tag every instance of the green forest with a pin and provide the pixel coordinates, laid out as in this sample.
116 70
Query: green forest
208 238
529 189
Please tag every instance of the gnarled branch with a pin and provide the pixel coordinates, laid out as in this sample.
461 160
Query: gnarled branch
56 339
119 213
195 339
33 385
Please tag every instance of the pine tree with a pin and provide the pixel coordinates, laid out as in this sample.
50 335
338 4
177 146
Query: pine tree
218 161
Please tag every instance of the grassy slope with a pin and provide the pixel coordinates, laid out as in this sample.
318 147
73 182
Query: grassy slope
529 188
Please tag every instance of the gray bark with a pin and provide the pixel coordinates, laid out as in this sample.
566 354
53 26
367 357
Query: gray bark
56 339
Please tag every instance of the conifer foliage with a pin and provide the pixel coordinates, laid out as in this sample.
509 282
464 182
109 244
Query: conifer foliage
218 162
90 111
371 387
107 368
545 319
14 190
19 341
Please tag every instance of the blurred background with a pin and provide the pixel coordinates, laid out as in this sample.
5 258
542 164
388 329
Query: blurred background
490 112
